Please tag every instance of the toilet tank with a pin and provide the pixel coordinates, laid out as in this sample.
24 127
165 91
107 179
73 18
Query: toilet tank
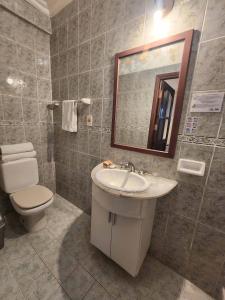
18 174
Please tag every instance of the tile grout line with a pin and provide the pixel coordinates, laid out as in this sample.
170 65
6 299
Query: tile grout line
123 23
102 110
40 257
18 285
26 20
221 120
195 65
213 39
90 78
21 93
39 114
96 281
86 293
205 184
67 65
78 262
47 267
202 199
33 49
189 219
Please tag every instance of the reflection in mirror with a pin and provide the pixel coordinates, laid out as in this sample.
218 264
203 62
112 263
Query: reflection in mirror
163 111
138 75
145 99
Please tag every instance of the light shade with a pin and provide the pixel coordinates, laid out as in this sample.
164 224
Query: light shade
164 5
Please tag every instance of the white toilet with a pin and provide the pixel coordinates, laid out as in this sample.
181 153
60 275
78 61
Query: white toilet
19 178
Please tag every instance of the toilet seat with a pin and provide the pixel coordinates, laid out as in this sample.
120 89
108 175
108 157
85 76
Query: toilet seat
19 179
31 197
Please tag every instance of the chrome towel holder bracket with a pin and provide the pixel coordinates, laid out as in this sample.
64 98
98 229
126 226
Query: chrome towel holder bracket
54 104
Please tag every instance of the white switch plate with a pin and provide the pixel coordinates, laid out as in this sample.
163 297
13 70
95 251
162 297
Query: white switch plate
89 120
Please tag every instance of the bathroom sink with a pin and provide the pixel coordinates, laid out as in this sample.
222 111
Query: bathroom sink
127 193
122 180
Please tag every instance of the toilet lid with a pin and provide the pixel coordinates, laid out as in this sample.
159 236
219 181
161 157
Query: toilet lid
32 196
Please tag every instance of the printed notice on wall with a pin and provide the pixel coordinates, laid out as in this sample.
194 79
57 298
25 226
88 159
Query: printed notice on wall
207 102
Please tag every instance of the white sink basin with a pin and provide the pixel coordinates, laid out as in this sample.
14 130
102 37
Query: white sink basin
122 180
127 197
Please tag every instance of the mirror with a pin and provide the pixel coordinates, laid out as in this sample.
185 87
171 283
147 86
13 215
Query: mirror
148 95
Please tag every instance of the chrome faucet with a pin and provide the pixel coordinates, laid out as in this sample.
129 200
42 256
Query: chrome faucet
128 165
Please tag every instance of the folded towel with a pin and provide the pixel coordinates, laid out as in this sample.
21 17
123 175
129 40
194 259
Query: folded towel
16 148
11 157
69 115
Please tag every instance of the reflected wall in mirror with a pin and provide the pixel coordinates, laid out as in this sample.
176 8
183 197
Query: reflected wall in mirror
148 95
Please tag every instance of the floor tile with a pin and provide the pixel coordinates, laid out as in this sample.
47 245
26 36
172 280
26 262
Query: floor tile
44 287
27 267
40 240
115 280
78 283
59 222
8 286
13 226
97 292
17 248
59 263
191 291
76 240
65 206
59 294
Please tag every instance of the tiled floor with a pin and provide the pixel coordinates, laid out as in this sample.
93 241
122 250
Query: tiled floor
59 263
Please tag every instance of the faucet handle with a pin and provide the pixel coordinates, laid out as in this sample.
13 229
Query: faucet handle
143 172
124 164
140 172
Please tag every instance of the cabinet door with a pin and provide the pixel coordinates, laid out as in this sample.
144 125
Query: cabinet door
100 228
125 245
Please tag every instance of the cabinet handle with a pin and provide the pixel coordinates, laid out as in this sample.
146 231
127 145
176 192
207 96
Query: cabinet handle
114 219
109 217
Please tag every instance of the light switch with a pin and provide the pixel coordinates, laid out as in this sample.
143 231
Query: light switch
89 120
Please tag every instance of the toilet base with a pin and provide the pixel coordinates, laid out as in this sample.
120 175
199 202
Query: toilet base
34 222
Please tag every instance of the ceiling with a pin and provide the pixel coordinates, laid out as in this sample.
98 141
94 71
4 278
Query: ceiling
55 6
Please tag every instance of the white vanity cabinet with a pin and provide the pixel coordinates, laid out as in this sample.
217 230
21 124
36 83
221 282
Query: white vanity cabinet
100 228
123 233
123 214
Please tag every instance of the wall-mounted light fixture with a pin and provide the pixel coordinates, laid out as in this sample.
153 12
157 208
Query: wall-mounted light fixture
161 26
163 7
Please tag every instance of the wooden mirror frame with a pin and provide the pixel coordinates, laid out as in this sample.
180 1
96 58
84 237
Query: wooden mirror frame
186 37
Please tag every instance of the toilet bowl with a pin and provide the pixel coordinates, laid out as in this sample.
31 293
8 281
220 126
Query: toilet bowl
20 179
30 204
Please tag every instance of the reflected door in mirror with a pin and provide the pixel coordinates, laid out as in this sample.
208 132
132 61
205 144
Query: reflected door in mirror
163 111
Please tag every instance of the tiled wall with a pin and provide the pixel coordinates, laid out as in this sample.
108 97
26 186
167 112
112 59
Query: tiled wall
189 230
28 12
25 88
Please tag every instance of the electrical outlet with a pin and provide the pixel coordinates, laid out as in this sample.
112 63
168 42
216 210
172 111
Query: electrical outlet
89 120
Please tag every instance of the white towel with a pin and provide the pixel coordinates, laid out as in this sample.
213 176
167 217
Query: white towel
11 157
16 148
69 115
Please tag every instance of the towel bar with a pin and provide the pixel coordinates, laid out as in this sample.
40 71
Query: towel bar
52 105
55 104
